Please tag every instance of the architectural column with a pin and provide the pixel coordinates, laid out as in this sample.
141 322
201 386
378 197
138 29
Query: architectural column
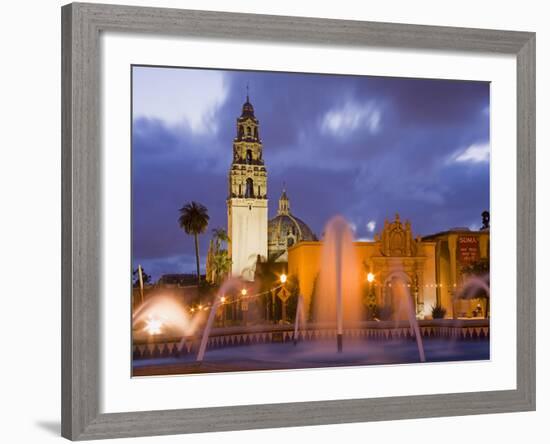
452 272
484 247
420 295
438 279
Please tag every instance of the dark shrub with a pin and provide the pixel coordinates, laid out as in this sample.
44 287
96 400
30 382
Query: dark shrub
438 311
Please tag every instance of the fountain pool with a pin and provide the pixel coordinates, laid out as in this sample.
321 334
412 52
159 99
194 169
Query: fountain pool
282 356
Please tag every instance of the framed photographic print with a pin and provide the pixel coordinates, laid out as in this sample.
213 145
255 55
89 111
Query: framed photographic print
322 221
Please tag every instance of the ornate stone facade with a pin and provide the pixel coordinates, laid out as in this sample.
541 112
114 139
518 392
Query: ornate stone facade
403 260
248 175
396 239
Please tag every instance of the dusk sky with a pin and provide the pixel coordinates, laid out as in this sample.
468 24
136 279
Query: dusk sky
363 147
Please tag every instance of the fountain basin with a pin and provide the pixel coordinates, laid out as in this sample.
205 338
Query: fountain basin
320 354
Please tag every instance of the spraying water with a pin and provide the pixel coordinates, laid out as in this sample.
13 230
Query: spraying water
227 286
339 290
474 287
165 314
300 317
405 302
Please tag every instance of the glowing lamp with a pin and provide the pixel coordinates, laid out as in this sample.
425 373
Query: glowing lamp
153 326
283 278
370 277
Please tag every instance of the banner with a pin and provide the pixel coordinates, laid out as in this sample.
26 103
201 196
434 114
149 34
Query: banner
468 249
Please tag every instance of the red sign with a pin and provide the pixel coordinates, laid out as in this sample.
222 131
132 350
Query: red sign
468 249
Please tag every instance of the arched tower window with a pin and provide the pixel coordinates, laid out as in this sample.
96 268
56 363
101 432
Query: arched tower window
248 131
249 188
256 132
241 132
248 156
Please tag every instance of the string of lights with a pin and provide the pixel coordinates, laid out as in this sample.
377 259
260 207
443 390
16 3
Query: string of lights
244 297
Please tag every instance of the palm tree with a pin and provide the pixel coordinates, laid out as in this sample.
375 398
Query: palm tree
222 265
221 261
220 236
194 220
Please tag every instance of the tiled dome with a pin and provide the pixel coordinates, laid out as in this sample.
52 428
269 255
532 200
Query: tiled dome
286 230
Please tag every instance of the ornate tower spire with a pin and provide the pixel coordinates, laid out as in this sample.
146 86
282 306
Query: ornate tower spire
248 176
284 203
247 195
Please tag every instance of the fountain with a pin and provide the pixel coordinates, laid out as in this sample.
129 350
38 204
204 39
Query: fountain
164 314
300 317
227 286
405 302
207 328
339 290
473 288
338 315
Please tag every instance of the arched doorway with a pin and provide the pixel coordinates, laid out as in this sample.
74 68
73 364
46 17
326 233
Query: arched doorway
392 290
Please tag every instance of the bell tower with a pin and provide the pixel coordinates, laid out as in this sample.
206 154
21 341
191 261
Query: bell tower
247 197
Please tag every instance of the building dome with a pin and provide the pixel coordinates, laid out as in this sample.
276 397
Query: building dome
286 230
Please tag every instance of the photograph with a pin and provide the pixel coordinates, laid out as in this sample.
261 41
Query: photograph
286 220
267 222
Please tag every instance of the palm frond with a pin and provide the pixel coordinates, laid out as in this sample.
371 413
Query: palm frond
193 218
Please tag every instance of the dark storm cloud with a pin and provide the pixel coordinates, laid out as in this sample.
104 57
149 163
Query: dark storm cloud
364 147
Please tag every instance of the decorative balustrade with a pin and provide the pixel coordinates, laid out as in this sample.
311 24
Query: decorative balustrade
162 347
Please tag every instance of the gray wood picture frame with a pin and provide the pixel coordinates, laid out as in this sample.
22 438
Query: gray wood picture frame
81 206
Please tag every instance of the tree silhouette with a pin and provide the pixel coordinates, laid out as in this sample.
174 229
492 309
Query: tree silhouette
221 261
194 220
146 277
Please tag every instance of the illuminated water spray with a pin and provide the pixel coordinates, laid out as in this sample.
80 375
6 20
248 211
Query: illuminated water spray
339 287
227 286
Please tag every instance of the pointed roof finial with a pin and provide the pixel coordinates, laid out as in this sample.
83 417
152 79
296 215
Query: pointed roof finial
283 194
248 109
284 204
